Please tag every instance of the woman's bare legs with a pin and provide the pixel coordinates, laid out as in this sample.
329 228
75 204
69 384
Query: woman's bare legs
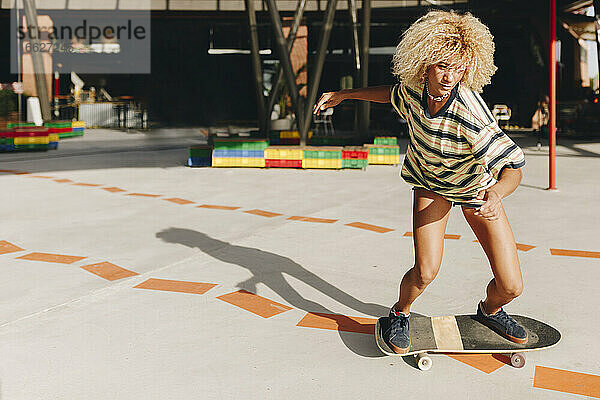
430 217
496 238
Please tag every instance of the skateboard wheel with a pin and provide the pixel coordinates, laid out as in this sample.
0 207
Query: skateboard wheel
517 360
423 362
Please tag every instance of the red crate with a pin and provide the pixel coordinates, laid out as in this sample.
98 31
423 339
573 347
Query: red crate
283 163
25 133
359 153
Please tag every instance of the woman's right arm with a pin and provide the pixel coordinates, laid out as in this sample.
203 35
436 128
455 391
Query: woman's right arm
378 94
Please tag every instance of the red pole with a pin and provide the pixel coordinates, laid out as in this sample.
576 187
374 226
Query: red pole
552 160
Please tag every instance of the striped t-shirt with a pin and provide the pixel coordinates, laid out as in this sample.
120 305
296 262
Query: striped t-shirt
457 152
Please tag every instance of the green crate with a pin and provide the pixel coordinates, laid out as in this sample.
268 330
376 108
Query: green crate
384 151
386 141
323 154
12 125
355 163
59 124
330 141
7 141
240 144
31 147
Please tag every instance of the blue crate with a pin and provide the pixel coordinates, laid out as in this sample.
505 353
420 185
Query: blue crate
199 162
238 153
52 145
7 147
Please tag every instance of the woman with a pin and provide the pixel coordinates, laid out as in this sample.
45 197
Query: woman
457 156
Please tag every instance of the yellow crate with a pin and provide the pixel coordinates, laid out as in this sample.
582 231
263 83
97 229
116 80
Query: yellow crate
238 162
32 140
292 134
384 160
53 137
284 153
322 163
78 124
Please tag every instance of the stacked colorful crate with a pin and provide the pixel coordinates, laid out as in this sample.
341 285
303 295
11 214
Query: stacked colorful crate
386 140
13 125
63 129
322 157
23 139
355 157
78 128
200 156
239 152
383 154
286 137
283 157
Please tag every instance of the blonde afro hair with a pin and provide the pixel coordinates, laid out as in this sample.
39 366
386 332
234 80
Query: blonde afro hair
443 36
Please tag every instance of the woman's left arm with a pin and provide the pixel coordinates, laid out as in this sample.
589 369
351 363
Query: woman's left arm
508 183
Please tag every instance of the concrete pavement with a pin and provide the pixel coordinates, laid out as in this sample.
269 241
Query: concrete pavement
236 300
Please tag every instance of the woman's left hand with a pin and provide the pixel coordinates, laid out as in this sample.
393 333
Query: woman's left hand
493 203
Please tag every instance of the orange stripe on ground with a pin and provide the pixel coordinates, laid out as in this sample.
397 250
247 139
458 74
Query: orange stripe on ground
262 213
7 247
109 271
87 184
176 286
254 303
374 228
213 207
446 236
41 176
8 171
522 247
575 253
54 258
338 322
309 219
63 180
567 381
144 195
179 201
487 363
114 189
21 172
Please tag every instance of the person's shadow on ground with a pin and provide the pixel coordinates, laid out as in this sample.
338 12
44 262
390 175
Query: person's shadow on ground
269 269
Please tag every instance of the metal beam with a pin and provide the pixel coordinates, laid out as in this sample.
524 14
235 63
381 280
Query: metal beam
552 123
279 75
354 22
38 63
364 106
286 64
597 13
256 65
315 77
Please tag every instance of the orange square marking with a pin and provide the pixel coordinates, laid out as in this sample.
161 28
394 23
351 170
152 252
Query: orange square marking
53 258
338 322
87 184
368 227
176 286
262 213
113 189
179 201
6 247
575 253
109 271
144 195
567 381
218 207
522 247
63 180
309 219
254 303
487 363
446 236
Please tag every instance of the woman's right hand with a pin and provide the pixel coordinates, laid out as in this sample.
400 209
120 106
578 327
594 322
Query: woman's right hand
328 100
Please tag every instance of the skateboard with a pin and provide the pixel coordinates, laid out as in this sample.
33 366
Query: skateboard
465 334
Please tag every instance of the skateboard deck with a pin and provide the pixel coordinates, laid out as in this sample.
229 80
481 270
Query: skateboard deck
465 334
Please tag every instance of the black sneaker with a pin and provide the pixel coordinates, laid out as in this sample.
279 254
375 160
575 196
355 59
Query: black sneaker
504 324
397 335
